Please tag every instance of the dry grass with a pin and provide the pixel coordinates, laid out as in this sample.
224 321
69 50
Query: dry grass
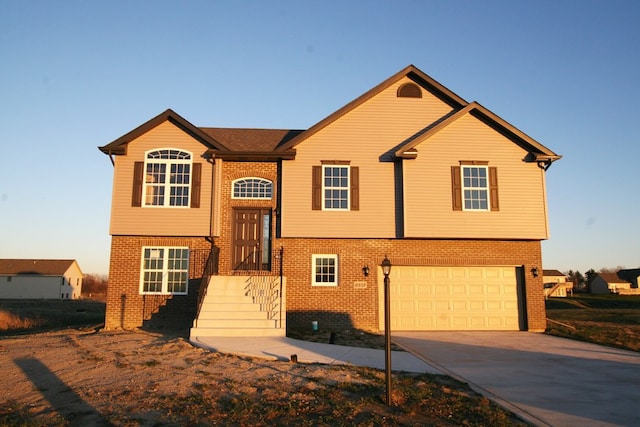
611 320
12 321
21 316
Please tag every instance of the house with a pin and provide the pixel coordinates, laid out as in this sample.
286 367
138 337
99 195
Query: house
40 279
555 284
251 231
631 275
605 283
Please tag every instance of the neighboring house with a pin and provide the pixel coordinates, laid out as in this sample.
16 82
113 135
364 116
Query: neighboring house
555 284
40 279
249 231
605 283
631 275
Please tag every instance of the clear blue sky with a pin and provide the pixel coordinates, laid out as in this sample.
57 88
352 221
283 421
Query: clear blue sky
78 74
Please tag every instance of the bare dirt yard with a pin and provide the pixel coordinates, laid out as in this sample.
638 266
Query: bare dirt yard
79 376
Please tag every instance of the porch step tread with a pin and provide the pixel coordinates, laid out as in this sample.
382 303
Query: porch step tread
237 323
237 332
231 314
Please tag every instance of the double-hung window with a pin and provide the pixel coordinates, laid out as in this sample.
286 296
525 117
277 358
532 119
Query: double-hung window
335 187
324 270
475 187
165 270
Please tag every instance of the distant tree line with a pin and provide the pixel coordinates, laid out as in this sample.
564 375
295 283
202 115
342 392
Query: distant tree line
95 286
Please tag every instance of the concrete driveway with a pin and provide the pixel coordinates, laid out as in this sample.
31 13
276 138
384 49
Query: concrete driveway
548 381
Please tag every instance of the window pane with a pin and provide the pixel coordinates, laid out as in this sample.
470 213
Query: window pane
336 187
475 188
177 165
252 188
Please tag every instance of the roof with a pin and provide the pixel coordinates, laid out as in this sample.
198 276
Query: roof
612 278
229 143
552 273
43 267
411 72
119 146
269 144
237 139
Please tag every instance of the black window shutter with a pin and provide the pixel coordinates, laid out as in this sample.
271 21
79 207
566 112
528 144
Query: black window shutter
355 188
136 193
456 188
493 189
316 188
196 177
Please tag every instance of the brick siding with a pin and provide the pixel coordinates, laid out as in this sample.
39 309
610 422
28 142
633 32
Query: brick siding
127 308
354 302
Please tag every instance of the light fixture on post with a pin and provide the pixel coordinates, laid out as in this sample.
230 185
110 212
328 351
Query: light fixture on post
365 270
534 271
386 270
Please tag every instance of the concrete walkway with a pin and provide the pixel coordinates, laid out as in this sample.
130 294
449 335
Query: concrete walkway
548 381
281 348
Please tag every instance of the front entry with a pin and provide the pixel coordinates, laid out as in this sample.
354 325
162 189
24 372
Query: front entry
251 239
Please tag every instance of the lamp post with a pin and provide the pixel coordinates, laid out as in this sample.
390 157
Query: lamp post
386 269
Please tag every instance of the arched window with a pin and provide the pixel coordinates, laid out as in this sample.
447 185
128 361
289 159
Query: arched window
252 188
167 178
409 90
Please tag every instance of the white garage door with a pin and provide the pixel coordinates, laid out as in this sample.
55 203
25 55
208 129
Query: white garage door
452 298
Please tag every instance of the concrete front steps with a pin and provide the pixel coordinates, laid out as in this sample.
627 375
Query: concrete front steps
241 306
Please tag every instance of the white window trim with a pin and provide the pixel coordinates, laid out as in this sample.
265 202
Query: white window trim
315 257
165 271
486 188
167 184
324 188
244 178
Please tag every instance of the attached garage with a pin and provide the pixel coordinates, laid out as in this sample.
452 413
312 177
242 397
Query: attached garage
439 298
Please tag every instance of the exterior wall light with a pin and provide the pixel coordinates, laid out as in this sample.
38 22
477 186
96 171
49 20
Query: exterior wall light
534 271
365 270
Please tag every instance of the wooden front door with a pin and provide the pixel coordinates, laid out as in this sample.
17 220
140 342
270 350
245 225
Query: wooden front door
251 239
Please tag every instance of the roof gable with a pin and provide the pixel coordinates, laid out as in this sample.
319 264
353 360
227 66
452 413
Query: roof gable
537 152
119 146
43 267
612 278
411 72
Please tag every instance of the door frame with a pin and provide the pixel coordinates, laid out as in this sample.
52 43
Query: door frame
264 240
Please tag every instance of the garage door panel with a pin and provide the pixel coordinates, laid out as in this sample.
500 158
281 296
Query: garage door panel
453 298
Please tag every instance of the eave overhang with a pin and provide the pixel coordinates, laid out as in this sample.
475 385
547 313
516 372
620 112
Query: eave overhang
119 146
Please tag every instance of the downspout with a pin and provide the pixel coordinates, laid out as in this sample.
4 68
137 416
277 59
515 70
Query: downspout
210 158
281 280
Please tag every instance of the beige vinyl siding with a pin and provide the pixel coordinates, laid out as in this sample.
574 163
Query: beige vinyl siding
149 221
361 137
427 180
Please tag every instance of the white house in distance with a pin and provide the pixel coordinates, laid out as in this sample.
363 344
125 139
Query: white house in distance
555 284
40 279
609 283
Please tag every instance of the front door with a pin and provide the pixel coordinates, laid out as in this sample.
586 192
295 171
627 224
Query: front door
251 239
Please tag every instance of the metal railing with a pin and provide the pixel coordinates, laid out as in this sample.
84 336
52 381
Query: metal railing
210 269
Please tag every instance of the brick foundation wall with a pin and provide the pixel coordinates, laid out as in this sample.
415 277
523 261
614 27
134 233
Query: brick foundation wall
354 302
127 308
